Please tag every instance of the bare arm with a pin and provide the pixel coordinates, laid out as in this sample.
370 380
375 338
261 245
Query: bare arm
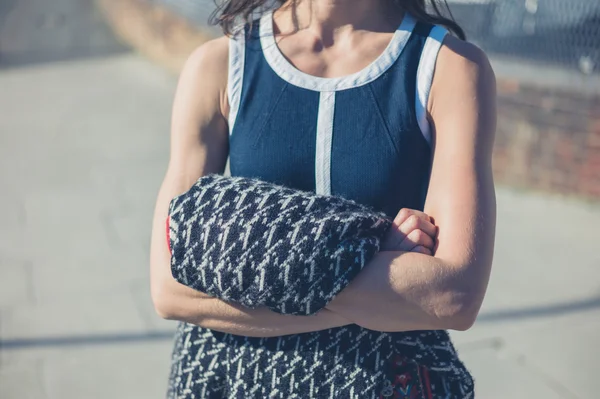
199 146
414 291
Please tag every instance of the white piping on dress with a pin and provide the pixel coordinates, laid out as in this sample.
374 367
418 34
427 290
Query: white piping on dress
235 80
432 47
324 140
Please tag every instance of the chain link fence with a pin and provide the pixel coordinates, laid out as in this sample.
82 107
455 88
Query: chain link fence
562 33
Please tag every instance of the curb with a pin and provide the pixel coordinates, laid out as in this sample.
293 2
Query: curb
159 34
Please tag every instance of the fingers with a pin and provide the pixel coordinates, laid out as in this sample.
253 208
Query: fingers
416 238
412 231
408 220
406 213
418 222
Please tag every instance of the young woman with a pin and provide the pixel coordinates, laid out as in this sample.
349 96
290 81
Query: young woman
371 100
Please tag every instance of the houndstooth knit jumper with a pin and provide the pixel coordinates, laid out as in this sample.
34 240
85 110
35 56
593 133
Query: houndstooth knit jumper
260 244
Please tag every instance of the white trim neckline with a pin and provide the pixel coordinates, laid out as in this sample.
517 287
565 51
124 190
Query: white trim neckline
282 67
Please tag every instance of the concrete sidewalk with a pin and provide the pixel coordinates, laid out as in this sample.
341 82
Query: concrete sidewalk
82 151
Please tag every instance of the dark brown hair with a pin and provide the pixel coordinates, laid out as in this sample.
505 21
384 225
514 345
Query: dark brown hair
229 12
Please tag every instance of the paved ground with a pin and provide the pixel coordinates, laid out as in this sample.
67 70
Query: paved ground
37 31
83 146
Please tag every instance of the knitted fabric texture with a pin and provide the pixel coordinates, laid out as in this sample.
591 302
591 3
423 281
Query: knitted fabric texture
257 243
341 363
260 244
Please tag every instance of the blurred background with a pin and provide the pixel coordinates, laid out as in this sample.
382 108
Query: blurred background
85 95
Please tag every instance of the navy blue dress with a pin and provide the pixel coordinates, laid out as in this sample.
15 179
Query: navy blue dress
364 137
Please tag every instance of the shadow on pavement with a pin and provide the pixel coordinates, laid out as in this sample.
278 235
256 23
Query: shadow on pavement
107 339
40 31
541 311
87 340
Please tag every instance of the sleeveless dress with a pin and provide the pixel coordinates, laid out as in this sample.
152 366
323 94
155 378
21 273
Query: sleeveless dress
364 137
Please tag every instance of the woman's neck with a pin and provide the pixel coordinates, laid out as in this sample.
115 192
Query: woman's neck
331 18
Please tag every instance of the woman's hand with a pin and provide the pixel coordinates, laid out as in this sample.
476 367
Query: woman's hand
411 231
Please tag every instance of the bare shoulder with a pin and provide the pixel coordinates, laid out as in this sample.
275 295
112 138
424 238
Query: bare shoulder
462 103
212 56
462 59
203 79
207 65
463 73
462 69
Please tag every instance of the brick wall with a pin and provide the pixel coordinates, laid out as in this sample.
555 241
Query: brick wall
548 140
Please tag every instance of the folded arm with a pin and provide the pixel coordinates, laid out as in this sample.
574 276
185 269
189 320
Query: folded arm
413 291
199 146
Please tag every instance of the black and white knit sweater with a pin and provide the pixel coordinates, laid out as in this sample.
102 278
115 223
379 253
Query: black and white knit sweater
259 244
